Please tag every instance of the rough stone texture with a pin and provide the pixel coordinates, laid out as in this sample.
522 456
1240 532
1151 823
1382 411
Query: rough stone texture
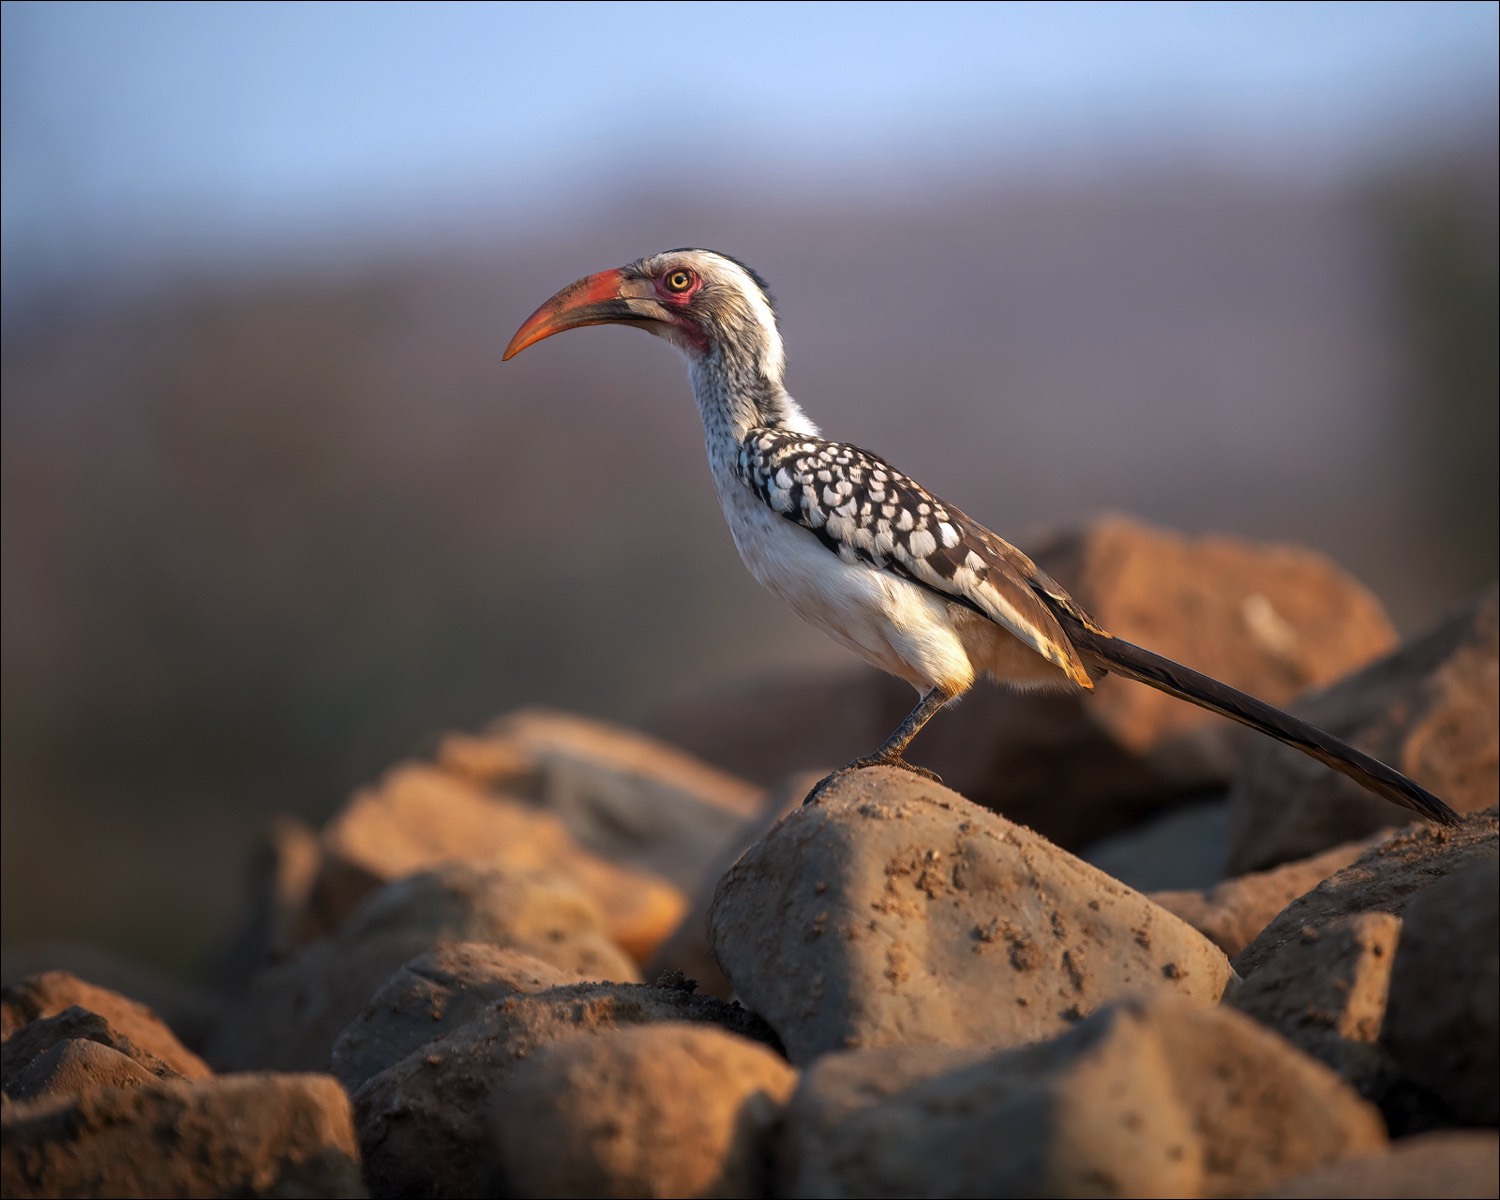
1383 880
420 817
248 1135
76 1065
1231 914
1150 1097
1326 994
1272 620
1430 710
51 992
1181 849
291 1016
686 949
653 1110
544 915
423 1123
895 912
1434 1166
430 997
1443 1025
625 796
37 1038
1056 1119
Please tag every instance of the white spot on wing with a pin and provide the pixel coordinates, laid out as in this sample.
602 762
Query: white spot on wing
922 543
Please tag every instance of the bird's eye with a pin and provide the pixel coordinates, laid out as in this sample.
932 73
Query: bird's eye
678 281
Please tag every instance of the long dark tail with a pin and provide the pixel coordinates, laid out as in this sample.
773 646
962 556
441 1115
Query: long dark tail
1133 662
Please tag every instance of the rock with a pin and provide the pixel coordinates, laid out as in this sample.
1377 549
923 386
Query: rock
423 1123
73 1066
1233 913
250 1135
686 948
292 1014
1443 1027
1272 620
420 817
21 1052
543 915
1434 1166
188 1009
893 911
1429 710
1383 880
51 992
431 996
1154 1096
1180 849
622 795
1326 994
650 1110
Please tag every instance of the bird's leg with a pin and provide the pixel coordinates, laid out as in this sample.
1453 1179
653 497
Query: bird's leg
888 754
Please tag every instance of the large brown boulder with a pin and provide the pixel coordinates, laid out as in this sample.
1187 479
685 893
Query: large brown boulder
49 993
53 1055
242 1135
893 911
1153 1096
74 1065
624 796
1411 1019
1326 993
424 1122
647 1110
430 997
1443 1023
421 817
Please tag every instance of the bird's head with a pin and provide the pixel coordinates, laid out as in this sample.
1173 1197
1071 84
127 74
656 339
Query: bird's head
702 302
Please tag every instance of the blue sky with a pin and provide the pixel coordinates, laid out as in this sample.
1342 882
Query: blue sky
248 124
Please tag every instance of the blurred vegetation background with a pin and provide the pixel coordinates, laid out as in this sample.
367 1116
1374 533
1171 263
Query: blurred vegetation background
274 515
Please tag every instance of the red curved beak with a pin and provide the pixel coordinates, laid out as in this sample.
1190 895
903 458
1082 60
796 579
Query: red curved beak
602 299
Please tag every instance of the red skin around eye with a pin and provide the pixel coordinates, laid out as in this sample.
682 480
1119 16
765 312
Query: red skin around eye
680 299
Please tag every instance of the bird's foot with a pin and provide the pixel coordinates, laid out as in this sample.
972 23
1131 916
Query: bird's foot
870 760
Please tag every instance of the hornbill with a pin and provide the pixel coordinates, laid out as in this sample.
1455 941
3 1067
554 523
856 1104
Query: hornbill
865 553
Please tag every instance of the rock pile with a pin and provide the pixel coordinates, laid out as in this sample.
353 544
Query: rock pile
894 991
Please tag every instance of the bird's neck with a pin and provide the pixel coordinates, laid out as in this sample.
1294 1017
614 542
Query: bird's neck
736 394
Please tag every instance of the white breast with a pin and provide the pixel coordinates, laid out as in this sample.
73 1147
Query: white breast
888 621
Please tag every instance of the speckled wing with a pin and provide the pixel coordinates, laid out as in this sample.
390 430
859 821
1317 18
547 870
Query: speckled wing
866 511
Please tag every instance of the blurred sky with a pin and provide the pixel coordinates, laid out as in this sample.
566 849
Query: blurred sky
138 134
